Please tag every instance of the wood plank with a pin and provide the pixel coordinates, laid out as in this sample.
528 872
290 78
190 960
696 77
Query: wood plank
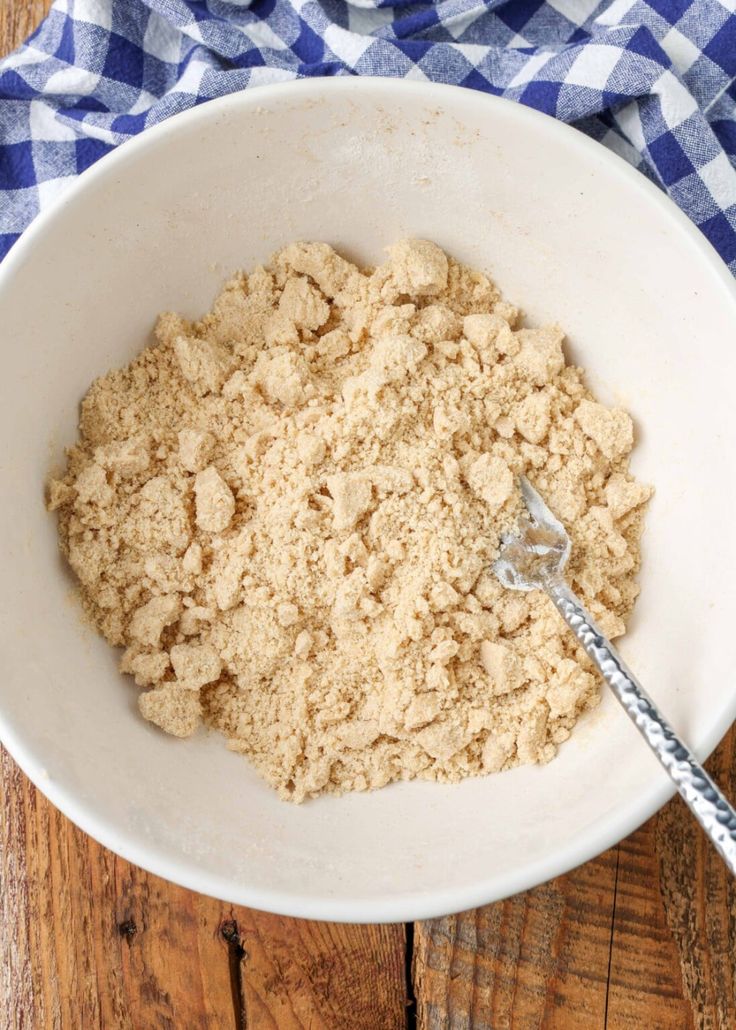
673 955
642 937
301 975
699 897
645 979
88 940
536 960
18 19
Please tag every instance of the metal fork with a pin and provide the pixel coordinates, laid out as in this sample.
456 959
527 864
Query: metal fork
533 558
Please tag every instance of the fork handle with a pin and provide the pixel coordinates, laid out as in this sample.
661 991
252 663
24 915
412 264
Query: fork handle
705 800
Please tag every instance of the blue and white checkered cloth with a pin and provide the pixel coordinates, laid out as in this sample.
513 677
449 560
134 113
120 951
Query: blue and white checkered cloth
654 80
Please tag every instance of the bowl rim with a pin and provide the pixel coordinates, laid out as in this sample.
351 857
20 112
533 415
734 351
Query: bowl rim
421 904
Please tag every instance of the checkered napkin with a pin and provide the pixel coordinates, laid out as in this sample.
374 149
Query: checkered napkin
655 81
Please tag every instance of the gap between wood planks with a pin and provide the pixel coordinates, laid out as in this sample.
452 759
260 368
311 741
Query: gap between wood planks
613 930
237 958
411 998
236 954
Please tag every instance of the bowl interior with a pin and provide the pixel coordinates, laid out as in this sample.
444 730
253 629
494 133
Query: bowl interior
569 233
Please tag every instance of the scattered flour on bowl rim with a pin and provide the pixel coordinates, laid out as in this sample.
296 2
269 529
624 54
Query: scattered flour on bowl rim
286 513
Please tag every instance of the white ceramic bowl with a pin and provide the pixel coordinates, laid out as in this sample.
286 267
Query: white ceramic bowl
568 230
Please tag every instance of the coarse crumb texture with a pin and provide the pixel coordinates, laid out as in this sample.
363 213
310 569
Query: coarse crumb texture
286 513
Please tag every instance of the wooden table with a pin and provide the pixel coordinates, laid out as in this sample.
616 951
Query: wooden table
643 936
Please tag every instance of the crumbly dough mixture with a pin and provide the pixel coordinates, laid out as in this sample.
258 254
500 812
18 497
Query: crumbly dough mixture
286 513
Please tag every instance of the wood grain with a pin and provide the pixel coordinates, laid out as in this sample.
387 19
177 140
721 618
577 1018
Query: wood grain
352 977
18 19
645 975
88 940
642 937
700 903
538 959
